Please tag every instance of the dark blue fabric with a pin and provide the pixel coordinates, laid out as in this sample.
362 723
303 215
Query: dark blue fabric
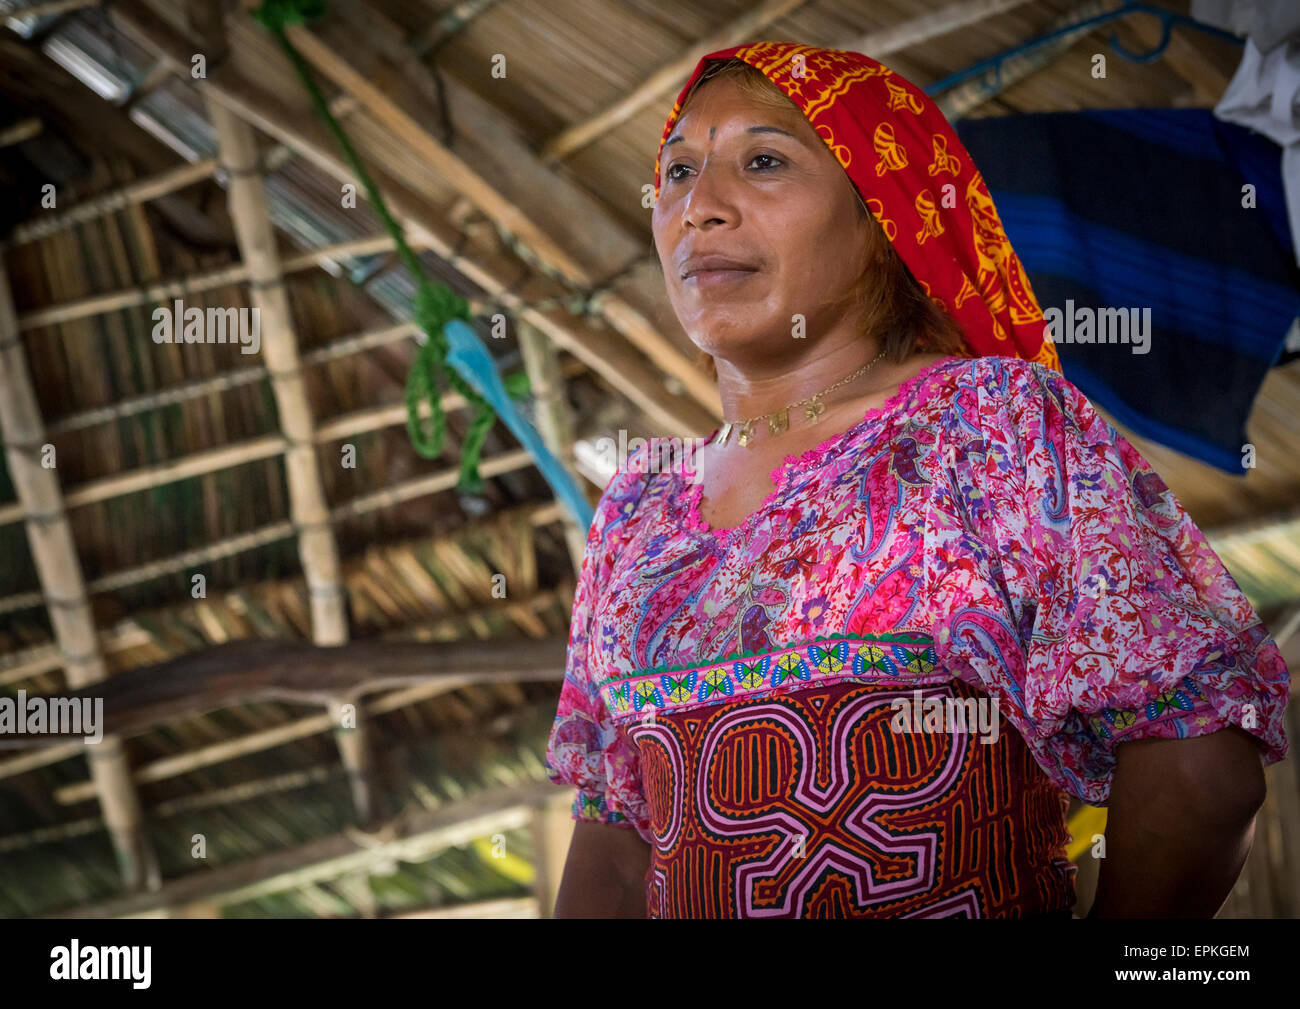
1142 208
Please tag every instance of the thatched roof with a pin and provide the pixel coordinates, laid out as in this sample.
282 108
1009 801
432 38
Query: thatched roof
524 194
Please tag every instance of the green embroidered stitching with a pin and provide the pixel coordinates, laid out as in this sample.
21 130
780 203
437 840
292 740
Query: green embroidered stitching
900 638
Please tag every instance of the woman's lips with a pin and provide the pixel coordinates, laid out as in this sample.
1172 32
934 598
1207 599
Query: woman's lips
712 278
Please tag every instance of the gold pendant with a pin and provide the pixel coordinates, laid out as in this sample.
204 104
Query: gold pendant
814 409
746 433
778 422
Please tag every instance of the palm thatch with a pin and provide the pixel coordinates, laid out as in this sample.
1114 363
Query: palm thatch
287 480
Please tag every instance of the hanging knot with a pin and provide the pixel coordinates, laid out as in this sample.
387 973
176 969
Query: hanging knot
436 306
276 14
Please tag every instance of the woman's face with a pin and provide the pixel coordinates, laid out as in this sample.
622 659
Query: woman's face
755 224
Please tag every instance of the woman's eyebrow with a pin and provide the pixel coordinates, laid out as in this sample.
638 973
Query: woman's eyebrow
753 129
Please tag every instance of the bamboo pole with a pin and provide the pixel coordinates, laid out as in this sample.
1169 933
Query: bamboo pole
317 547
133 193
489 142
462 177
22 130
51 7
971 94
310 725
152 187
670 77
554 418
929 25
507 214
428 832
63 585
239 453
407 490
249 211
667 78
27 663
165 290
621 365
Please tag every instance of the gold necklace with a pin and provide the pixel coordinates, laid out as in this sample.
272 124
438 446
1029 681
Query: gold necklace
779 420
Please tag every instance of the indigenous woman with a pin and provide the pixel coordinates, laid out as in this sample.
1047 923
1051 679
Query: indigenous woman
851 659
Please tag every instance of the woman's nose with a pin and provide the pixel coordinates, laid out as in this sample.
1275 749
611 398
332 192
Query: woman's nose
708 202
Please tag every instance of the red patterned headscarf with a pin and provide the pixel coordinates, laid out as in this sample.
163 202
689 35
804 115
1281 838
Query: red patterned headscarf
919 182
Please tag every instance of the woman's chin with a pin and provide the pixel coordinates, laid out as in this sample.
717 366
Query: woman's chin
726 326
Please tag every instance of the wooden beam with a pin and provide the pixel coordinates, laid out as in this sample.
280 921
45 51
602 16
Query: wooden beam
621 365
50 8
311 725
924 27
246 672
140 191
670 77
63 585
554 418
568 232
488 140
27 663
143 190
424 835
459 175
165 290
407 490
22 130
973 93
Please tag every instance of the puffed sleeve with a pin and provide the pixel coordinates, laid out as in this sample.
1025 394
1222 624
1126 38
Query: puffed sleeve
584 749
1071 585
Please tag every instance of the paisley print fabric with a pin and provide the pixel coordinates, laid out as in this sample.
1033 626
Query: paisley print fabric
985 535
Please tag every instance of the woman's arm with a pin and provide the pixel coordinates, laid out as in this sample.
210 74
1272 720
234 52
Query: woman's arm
1181 822
604 875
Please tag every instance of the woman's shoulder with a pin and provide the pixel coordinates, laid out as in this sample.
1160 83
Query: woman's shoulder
998 385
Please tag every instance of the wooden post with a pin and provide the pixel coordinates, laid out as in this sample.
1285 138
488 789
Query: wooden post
316 544
552 831
64 587
554 418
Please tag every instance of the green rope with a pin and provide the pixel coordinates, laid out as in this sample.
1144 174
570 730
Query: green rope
435 304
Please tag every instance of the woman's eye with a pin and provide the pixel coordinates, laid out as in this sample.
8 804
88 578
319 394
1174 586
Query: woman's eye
770 161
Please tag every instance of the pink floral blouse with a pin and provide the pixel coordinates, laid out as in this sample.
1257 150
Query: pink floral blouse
985 535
